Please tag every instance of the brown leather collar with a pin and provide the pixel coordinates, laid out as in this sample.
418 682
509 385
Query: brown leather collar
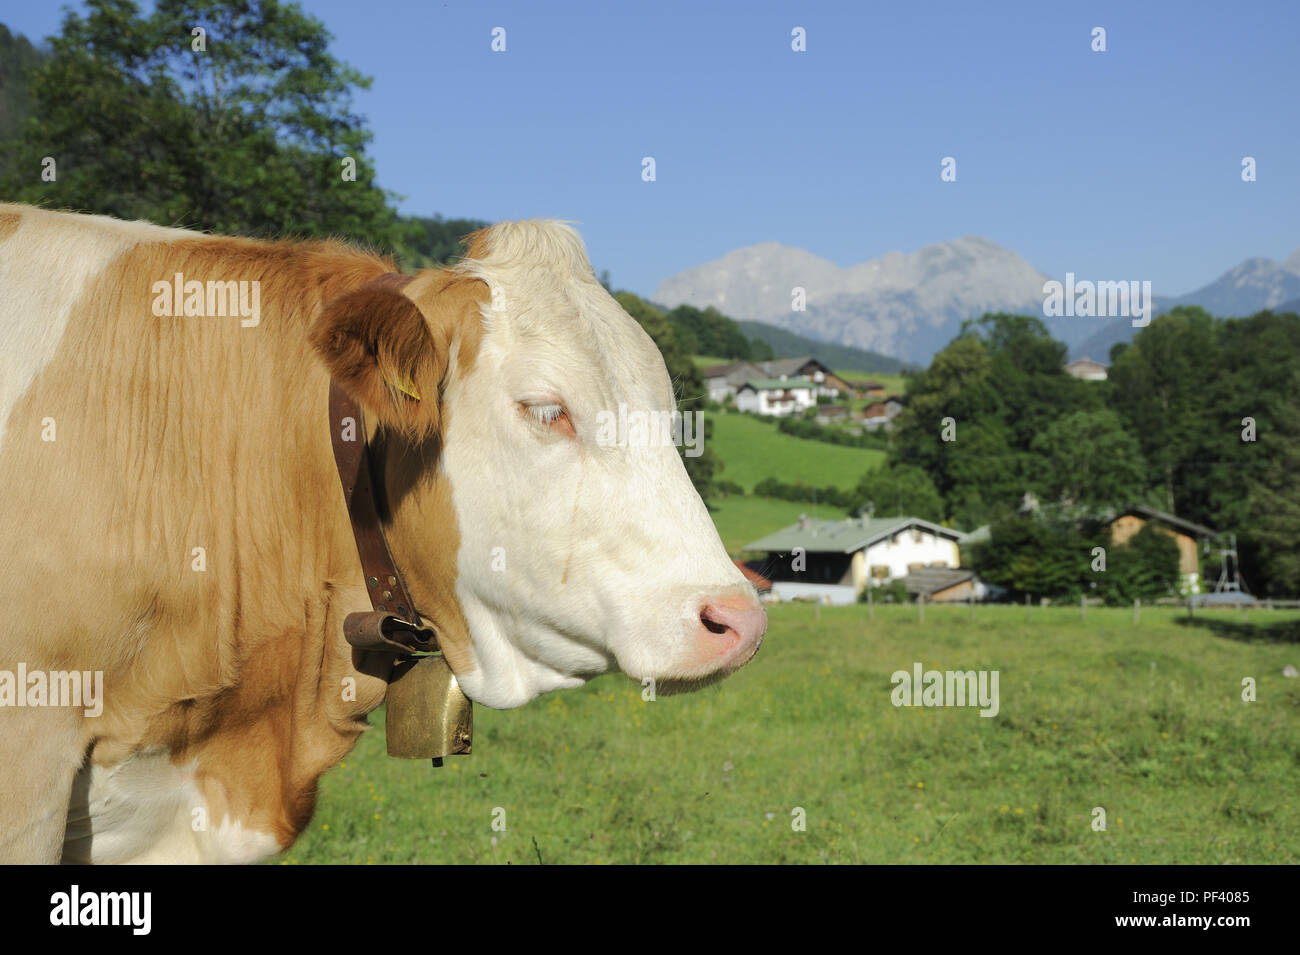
393 626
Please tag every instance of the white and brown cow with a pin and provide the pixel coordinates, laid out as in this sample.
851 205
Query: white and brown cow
172 516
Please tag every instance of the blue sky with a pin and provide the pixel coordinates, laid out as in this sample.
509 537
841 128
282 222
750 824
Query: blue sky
1116 165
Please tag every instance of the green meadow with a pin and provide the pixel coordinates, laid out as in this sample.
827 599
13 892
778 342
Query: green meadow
752 450
1145 721
744 518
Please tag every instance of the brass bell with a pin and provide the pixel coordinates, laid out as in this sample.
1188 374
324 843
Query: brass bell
428 715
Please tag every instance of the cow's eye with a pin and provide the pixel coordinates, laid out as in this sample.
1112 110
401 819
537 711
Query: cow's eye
546 414
550 415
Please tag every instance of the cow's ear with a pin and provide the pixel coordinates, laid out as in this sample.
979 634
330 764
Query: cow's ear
378 345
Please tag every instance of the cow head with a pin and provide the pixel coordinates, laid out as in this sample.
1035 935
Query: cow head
545 546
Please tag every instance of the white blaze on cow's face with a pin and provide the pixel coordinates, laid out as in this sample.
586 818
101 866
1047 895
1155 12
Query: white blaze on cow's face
577 556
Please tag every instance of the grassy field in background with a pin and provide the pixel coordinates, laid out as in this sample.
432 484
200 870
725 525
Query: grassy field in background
752 450
1146 721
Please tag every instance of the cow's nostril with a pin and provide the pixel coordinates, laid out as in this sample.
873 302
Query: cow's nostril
713 626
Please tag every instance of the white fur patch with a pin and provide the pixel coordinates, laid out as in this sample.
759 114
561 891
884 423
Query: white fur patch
148 810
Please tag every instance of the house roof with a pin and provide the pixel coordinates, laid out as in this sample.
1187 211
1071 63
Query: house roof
978 535
931 580
1086 361
777 384
736 372
1150 513
844 536
776 367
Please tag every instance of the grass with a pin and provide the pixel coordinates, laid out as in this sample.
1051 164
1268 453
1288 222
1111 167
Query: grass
1145 721
752 450
893 383
740 520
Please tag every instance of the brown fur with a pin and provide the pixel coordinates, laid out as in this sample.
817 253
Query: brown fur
176 433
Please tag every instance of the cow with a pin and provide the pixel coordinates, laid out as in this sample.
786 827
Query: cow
174 525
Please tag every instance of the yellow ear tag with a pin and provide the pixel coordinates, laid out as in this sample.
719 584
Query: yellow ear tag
406 388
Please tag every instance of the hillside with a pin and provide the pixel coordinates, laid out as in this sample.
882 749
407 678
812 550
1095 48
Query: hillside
845 357
752 450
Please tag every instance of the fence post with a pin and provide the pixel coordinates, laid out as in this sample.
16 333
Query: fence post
1136 603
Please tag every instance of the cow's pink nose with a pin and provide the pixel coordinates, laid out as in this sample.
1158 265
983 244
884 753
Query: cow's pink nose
739 624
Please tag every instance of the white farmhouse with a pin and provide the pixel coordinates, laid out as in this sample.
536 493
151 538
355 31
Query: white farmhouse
777 396
834 560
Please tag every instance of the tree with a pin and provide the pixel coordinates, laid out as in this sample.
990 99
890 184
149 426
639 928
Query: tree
17 58
1274 498
1090 461
1146 567
433 240
973 416
1159 388
251 134
1041 558
687 384
709 332
904 490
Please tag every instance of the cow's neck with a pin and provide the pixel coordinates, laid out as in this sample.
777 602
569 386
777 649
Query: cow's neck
242 675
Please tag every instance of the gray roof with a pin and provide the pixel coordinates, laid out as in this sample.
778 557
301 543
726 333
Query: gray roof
735 373
776 367
1150 513
929 580
844 536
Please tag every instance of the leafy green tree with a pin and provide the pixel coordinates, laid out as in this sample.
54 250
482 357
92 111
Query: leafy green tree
957 379
1195 391
1039 558
687 384
432 240
1274 496
1146 567
903 489
17 57
709 332
1159 387
247 136
1001 384
1091 461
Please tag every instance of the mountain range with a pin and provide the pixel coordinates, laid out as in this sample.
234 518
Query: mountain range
909 305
